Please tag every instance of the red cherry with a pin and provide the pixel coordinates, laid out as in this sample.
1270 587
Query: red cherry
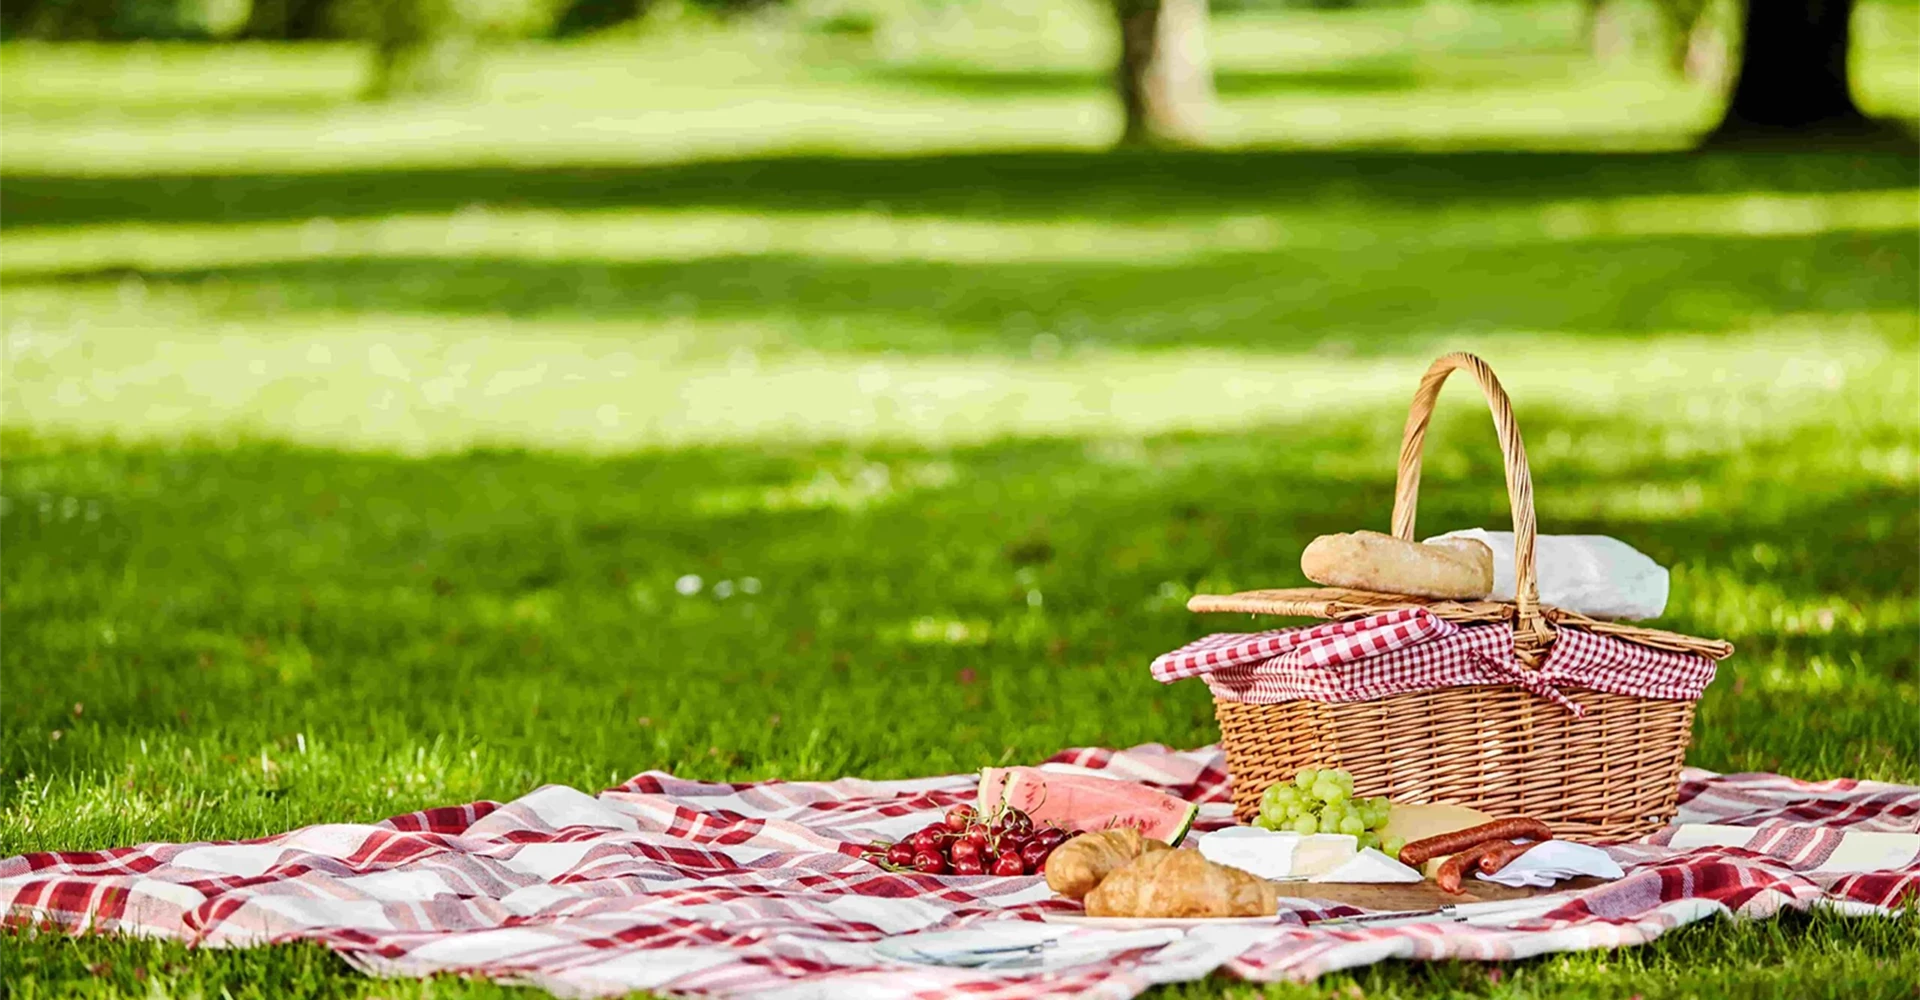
1035 854
968 866
933 838
977 836
929 863
1052 836
959 818
900 854
964 850
1009 864
1013 821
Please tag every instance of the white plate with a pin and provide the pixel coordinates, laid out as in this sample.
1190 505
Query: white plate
1131 923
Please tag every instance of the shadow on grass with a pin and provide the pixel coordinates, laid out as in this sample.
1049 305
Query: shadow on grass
162 104
1374 297
977 82
1014 184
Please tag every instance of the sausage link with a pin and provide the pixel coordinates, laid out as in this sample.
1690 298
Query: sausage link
1504 855
1418 852
1455 868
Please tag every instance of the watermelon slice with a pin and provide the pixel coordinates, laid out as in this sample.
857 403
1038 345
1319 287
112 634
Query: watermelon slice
993 782
1082 802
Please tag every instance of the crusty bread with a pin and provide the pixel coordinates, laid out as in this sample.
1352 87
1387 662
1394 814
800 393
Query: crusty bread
1456 568
1181 884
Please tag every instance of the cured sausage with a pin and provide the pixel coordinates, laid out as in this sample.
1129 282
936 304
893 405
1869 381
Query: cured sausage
1420 851
1504 855
1455 868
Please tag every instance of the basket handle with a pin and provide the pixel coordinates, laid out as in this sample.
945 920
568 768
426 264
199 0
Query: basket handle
1531 633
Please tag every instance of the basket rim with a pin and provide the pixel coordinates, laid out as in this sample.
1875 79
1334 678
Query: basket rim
1339 604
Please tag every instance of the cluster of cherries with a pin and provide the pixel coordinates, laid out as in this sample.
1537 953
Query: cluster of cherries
966 843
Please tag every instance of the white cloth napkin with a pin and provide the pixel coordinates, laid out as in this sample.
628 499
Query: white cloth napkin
1596 575
1551 861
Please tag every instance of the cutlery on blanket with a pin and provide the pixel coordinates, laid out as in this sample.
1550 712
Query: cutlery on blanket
987 954
1038 952
1496 912
1388 918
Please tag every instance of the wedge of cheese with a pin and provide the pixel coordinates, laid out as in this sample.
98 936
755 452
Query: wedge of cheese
1417 822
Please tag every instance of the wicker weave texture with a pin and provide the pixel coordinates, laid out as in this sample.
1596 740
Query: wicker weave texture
1611 776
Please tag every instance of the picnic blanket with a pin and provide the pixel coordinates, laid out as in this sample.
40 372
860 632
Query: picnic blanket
757 890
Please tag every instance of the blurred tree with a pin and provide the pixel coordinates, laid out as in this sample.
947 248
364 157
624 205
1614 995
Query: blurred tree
1678 21
1164 75
58 18
583 17
1692 35
1600 25
121 19
1793 70
420 46
289 20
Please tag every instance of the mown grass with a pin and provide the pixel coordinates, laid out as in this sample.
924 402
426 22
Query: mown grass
349 477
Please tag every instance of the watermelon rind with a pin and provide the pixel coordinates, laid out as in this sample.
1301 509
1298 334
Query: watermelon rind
1193 813
993 791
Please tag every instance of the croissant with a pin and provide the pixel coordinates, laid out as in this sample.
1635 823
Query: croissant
1181 884
1077 866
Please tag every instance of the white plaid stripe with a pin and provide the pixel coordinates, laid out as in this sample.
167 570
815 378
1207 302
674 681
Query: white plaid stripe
753 890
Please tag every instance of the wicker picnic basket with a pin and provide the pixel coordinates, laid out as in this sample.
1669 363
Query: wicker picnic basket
1609 775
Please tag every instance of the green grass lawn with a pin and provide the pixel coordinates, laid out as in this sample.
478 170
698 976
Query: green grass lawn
353 453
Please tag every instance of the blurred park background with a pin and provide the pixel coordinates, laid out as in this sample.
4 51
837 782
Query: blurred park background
417 402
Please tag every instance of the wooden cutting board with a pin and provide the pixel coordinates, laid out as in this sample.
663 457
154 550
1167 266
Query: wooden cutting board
1419 895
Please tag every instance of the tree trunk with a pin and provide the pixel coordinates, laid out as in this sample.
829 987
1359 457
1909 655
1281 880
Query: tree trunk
1680 21
1793 69
1164 76
1600 25
1705 63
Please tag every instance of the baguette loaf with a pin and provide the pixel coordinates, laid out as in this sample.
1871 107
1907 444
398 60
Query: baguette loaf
1455 568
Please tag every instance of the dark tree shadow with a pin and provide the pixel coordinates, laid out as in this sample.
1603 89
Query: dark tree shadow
978 82
1038 184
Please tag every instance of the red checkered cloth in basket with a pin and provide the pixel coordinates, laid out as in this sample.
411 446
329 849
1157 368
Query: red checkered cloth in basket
1324 644
756 890
1411 649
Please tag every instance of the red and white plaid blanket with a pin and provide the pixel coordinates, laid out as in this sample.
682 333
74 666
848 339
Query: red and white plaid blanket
1410 649
757 890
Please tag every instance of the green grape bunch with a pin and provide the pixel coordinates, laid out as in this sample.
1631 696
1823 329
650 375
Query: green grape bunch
1322 802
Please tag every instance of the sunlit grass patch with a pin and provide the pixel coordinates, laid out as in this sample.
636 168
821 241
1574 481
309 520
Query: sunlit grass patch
410 383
